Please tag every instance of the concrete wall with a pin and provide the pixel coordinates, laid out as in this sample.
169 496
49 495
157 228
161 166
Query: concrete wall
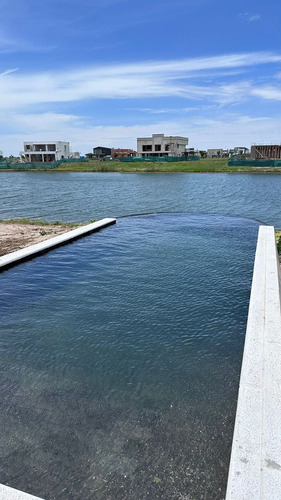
161 145
255 466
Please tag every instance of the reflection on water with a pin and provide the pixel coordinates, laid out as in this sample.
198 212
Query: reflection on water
120 358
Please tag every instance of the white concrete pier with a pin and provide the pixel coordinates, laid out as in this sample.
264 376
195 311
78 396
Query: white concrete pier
255 466
7 493
13 258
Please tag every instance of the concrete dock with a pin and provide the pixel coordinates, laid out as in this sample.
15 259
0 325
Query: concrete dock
14 258
255 466
7 493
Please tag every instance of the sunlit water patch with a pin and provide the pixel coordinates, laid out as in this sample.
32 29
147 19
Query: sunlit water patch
120 358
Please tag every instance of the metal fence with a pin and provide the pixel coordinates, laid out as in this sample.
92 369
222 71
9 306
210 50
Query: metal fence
159 158
6 165
262 162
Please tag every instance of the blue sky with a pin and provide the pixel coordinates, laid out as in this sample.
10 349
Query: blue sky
102 73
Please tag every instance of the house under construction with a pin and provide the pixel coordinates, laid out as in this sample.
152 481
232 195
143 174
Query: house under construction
264 151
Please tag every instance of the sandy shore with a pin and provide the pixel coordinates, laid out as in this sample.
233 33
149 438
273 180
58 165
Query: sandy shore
14 236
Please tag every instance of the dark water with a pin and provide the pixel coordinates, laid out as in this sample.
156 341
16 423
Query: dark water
80 197
120 359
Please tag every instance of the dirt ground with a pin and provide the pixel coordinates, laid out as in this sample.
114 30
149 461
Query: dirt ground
16 236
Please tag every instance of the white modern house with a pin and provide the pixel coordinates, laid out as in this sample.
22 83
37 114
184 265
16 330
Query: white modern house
160 145
41 152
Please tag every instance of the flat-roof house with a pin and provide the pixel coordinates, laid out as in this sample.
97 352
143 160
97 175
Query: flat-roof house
44 152
160 145
101 152
217 153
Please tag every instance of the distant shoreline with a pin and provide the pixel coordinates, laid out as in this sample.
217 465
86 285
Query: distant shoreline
202 166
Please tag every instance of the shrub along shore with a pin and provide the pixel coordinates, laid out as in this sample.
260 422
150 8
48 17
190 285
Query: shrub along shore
204 165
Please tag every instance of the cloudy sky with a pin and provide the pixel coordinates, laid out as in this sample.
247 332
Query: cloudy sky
104 72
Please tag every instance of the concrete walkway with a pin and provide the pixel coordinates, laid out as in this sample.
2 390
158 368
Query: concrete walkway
255 466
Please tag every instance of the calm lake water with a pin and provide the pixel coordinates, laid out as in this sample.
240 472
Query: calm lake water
84 196
120 354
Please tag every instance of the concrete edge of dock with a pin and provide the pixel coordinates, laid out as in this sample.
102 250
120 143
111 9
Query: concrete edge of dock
14 258
255 465
7 493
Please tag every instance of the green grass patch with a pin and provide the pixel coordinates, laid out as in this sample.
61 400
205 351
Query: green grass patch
278 240
204 165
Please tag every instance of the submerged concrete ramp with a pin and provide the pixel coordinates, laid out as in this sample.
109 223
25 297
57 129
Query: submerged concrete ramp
255 465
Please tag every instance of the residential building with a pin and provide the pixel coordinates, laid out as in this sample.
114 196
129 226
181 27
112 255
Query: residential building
101 152
270 151
240 150
121 153
217 153
159 145
191 152
44 152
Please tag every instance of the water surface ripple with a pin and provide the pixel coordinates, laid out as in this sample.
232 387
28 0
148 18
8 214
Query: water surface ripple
80 197
120 358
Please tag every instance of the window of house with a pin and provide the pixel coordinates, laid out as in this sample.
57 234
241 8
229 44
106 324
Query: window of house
167 147
147 147
157 147
40 147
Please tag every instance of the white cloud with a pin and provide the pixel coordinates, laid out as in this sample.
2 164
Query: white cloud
269 92
250 18
233 130
139 80
25 103
8 71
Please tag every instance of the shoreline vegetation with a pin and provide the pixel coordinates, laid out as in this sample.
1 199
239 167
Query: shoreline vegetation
278 242
204 165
